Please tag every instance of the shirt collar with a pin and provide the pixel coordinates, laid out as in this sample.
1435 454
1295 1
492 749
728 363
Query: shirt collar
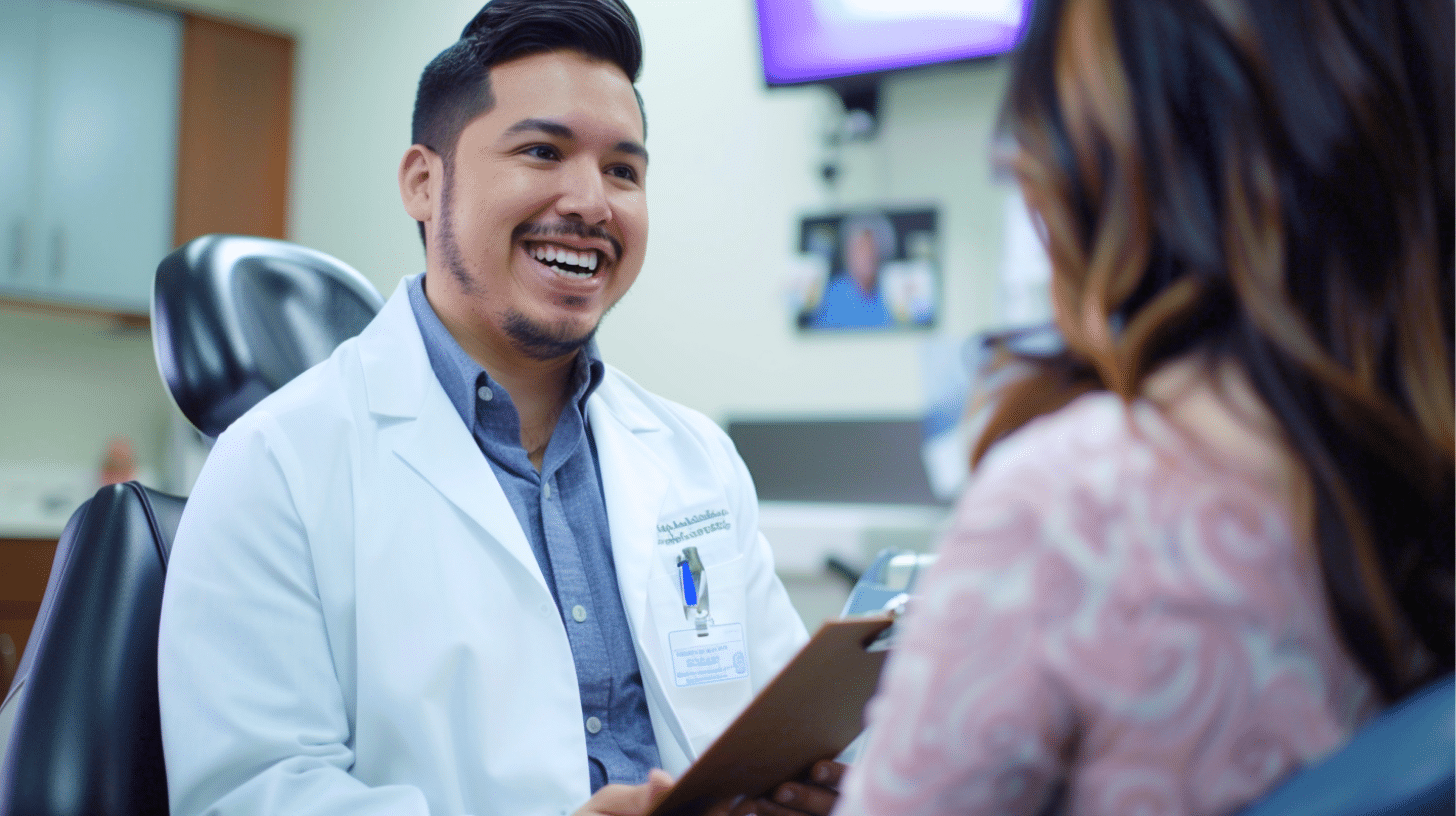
462 377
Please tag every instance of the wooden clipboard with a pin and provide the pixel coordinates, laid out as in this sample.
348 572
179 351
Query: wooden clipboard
811 710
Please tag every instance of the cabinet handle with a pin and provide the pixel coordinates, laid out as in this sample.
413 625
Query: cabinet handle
58 253
17 247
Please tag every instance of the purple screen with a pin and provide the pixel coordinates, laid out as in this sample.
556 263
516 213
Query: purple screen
799 45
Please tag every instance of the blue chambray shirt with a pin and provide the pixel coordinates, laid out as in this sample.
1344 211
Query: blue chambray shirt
564 515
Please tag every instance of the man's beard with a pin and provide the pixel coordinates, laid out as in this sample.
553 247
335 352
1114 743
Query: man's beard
541 342
531 338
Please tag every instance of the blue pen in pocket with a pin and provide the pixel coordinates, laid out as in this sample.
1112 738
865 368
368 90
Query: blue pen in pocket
694 581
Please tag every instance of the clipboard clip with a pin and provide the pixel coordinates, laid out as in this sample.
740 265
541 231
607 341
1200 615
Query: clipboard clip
886 638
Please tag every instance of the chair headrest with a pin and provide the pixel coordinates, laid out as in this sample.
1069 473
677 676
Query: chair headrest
234 317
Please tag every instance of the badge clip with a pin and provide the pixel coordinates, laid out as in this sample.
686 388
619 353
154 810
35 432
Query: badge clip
694 582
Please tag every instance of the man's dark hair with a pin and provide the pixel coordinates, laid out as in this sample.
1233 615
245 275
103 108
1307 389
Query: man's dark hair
455 87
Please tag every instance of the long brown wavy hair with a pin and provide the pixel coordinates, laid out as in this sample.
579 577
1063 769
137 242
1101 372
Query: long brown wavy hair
1267 182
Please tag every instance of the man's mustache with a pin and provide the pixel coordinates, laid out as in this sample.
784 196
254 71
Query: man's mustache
567 228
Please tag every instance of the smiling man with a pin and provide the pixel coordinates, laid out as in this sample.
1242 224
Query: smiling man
535 218
464 566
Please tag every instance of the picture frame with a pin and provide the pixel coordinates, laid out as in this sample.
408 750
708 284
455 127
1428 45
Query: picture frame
870 269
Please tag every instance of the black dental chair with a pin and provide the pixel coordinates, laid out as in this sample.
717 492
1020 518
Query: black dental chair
233 318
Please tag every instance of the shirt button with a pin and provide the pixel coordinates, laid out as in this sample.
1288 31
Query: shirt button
546 491
593 724
578 613
485 393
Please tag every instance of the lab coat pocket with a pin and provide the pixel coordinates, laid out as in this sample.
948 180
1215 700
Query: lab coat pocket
705 663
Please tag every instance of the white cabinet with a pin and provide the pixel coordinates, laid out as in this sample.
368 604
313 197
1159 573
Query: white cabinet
19 103
88 143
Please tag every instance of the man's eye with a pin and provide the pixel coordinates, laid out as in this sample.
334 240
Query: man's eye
545 152
622 171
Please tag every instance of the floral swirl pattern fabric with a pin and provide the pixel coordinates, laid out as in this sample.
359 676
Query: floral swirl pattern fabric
1114 618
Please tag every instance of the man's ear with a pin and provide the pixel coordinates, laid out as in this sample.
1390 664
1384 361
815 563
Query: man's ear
420 178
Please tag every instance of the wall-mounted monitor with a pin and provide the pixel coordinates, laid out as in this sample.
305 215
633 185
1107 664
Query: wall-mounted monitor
826 41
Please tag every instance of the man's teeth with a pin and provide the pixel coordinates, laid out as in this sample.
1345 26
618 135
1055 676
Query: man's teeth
568 262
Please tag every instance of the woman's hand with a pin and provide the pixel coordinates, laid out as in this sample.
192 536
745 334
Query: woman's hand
815 795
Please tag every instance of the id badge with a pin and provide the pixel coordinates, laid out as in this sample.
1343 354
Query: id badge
701 657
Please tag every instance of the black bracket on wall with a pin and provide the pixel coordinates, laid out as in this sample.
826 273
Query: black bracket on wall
861 98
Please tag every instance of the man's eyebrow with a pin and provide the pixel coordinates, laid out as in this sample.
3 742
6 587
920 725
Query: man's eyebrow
632 148
544 126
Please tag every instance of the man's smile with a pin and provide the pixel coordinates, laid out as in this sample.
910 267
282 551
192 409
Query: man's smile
567 261
593 246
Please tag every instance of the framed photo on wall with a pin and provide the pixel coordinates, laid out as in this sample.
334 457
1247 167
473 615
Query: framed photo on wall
871 269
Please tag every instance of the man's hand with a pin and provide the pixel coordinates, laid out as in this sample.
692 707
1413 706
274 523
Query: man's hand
628 800
814 795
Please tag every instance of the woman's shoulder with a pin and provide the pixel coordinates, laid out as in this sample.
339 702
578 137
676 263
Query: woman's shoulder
1101 442
1093 433
1102 469
1078 464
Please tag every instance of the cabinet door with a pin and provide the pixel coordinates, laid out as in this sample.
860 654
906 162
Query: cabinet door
108 159
232 154
20 26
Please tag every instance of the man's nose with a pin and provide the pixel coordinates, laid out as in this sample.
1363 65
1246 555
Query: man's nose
584 194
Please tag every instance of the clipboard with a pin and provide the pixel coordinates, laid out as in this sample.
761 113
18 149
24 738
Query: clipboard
812 709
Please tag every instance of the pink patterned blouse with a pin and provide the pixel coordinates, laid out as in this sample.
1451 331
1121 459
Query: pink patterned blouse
1112 614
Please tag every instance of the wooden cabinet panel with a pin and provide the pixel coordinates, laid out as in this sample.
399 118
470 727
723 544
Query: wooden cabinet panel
232 156
25 565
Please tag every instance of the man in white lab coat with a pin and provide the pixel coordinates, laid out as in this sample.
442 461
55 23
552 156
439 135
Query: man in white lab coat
463 566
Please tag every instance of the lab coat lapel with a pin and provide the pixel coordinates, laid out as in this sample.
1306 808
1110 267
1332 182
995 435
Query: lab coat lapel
429 434
634 484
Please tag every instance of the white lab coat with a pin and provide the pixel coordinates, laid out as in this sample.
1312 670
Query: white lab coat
354 622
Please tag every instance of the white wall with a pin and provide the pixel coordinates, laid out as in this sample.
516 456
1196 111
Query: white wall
71 384
734 165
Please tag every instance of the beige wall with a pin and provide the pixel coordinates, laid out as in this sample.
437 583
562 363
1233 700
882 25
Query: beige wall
70 385
734 165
